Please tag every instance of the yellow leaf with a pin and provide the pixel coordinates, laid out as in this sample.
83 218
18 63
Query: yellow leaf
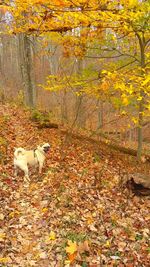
135 120
132 3
123 112
13 213
44 209
125 101
139 98
107 244
146 81
107 141
4 260
52 236
90 220
72 247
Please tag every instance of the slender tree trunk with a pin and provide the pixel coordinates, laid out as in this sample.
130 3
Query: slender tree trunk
64 110
142 102
80 109
140 130
100 114
26 69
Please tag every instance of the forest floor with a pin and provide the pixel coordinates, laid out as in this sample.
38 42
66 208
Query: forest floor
75 213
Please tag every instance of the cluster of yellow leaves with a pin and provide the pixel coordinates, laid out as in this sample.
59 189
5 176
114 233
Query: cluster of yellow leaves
129 85
62 15
85 22
75 250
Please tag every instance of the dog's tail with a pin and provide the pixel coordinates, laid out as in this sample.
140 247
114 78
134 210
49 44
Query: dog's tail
19 152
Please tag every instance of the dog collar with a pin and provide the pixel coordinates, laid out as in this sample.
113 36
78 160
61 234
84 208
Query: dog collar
34 153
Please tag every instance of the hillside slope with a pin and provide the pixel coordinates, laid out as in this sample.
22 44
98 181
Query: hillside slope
75 213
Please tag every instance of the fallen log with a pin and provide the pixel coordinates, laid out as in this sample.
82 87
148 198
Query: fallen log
49 125
111 144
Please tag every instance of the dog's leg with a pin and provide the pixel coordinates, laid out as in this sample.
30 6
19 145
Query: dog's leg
26 174
26 178
16 171
40 167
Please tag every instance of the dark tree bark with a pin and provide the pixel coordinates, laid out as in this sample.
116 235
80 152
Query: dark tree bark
142 94
25 55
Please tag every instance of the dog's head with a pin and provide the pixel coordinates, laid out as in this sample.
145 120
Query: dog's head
45 148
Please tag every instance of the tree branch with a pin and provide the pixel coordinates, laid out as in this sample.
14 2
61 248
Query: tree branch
126 65
101 57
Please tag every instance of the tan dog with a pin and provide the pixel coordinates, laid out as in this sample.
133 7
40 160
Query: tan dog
25 158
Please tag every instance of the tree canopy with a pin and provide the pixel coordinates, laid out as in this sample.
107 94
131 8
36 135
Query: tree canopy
116 30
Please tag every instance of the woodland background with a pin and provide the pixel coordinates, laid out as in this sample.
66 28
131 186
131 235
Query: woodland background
92 73
76 74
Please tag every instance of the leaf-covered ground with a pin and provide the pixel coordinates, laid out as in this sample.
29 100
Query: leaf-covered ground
75 213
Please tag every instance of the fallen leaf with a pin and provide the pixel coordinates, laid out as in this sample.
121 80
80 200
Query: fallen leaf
72 257
83 247
52 235
43 255
3 260
146 232
115 257
71 248
121 246
107 244
44 210
1 216
92 228
2 236
90 220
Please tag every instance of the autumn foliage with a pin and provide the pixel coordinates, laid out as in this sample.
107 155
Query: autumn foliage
78 213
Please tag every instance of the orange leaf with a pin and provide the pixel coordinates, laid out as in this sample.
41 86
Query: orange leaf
72 257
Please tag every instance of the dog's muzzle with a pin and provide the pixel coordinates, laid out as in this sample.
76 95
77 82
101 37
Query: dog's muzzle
46 149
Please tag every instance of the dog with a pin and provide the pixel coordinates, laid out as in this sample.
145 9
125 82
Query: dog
24 158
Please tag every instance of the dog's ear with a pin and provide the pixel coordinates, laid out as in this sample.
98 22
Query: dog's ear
47 144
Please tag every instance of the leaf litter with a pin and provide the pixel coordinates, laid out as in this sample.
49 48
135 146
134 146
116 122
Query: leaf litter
75 213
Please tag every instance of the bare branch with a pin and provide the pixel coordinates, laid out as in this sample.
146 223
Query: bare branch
101 57
126 65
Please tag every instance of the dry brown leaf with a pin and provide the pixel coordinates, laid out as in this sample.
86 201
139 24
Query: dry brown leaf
83 247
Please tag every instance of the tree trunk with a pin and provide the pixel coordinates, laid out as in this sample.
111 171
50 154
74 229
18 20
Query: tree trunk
64 109
142 102
140 131
26 69
100 114
80 109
